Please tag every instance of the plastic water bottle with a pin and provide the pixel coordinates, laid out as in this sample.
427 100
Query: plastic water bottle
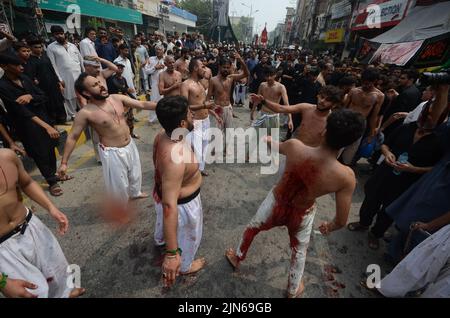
403 158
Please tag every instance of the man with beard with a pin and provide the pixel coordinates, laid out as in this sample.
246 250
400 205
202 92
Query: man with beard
93 67
68 64
367 101
170 80
176 193
118 153
182 64
220 88
314 117
195 93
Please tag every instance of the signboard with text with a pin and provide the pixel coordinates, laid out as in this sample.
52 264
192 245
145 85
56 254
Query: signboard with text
334 36
434 53
397 53
381 15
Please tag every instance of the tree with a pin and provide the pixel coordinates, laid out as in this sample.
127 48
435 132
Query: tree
202 9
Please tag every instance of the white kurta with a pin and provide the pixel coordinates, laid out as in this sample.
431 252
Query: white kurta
87 48
427 264
151 70
68 65
127 71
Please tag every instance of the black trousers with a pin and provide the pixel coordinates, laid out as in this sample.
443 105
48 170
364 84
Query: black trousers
41 148
372 206
296 120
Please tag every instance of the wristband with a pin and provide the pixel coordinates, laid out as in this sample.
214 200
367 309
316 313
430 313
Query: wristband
3 281
174 252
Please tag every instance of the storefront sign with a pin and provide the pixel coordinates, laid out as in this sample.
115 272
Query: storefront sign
334 36
381 15
397 53
435 52
91 8
341 9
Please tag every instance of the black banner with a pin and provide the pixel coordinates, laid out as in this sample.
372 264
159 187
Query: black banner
435 52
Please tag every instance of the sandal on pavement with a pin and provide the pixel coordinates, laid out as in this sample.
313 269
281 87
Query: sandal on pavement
357 227
55 190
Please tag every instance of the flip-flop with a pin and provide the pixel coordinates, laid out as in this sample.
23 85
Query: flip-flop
357 227
55 190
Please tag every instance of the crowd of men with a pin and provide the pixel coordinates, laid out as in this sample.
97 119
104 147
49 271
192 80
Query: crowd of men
334 113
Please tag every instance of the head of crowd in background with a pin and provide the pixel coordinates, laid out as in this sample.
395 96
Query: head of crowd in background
90 33
11 65
123 50
169 62
92 66
58 33
408 77
23 51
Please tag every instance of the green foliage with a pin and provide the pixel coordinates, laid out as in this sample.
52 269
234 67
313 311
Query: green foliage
202 9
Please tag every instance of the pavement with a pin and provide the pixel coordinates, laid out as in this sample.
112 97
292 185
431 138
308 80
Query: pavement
123 262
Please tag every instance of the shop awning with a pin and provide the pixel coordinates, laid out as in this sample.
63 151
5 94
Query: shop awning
91 8
423 22
422 37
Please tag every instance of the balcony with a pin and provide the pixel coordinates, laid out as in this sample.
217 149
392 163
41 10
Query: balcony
121 3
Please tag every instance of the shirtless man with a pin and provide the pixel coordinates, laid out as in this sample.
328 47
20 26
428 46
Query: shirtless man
31 261
220 88
366 100
182 64
170 80
195 93
93 67
118 153
273 91
310 173
314 117
178 205
208 75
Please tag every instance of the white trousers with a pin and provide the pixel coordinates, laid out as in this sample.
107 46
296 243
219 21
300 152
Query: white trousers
121 171
189 233
265 220
71 107
199 138
36 257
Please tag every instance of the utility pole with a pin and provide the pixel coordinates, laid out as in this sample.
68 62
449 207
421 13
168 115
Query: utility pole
37 19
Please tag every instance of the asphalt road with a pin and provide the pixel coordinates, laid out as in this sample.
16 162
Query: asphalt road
122 262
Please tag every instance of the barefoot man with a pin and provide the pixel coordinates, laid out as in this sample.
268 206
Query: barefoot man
32 263
220 88
178 205
195 93
170 80
366 100
120 158
310 173
314 117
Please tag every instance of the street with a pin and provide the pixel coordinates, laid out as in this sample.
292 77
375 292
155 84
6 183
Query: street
123 262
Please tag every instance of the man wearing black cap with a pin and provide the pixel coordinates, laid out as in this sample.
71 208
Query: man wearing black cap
26 107
68 64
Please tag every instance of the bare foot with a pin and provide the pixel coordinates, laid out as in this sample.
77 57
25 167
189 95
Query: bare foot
196 266
232 258
77 292
143 195
299 292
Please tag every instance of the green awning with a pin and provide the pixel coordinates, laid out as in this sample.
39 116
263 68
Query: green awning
91 8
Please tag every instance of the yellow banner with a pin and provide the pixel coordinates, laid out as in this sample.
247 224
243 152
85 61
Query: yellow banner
334 36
